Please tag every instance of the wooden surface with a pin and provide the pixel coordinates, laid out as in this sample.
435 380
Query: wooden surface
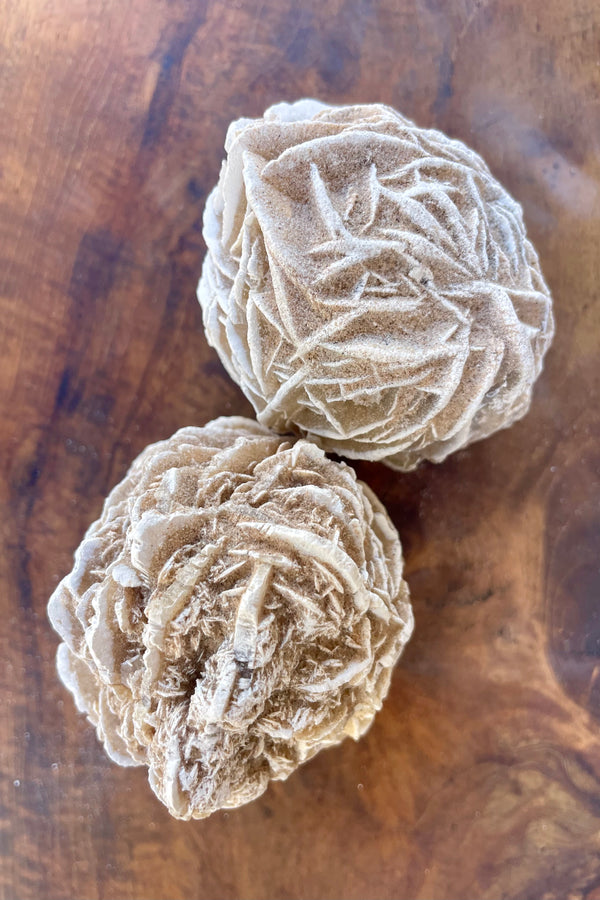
481 776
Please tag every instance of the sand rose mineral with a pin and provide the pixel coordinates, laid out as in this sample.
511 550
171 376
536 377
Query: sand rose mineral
238 606
370 285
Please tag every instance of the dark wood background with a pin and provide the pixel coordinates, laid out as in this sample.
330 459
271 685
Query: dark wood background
481 776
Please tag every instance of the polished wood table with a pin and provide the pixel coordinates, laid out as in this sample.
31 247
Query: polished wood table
481 776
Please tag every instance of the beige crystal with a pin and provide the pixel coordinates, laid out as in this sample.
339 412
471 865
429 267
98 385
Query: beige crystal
370 285
238 606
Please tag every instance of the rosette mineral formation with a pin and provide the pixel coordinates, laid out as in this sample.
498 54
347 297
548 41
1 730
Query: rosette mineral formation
238 606
370 285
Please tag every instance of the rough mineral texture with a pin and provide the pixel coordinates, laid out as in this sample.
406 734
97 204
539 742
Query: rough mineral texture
238 606
369 284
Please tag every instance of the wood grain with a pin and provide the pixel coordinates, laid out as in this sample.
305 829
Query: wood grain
481 776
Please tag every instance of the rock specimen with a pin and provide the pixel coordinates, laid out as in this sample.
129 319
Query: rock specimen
370 285
238 606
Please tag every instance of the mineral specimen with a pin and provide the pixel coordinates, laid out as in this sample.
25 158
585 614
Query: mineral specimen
369 284
238 606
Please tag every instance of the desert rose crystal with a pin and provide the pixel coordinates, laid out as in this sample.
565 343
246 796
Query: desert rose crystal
238 606
369 284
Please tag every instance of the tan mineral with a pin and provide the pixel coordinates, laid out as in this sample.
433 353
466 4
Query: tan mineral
238 606
370 285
